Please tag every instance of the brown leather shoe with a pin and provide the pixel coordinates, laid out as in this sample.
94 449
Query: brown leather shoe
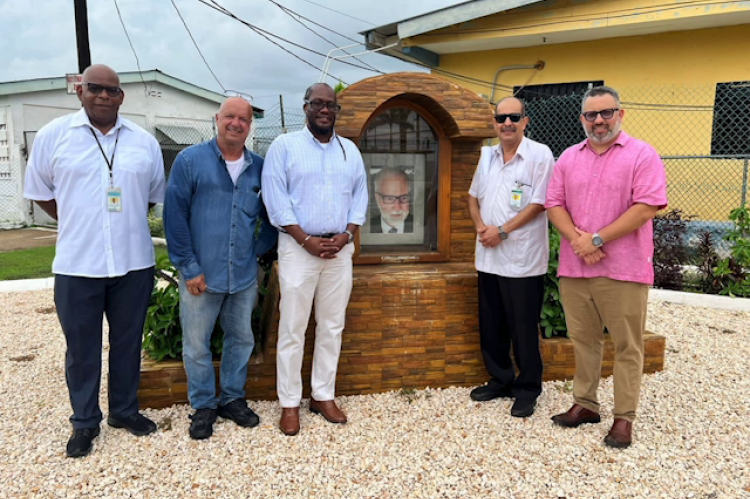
328 409
289 422
576 416
620 435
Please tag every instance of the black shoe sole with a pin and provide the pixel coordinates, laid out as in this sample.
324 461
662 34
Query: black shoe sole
115 423
576 425
201 436
522 414
615 444
491 396
82 452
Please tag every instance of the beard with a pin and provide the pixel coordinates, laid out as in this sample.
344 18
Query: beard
611 133
319 130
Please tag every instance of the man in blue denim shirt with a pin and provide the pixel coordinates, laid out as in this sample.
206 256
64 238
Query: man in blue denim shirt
212 208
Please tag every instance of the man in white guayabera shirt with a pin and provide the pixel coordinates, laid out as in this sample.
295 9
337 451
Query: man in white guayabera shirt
315 190
97 174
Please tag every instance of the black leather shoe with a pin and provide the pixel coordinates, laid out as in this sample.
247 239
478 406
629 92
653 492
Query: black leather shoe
238 411
523 408
202 425
490 391
79 444
137 424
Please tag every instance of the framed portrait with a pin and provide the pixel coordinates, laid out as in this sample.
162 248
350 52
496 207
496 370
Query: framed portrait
396 183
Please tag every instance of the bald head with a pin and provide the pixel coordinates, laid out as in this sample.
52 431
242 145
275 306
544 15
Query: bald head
237 103
98 71
514 101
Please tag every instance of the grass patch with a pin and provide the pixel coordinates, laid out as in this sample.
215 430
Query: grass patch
35 263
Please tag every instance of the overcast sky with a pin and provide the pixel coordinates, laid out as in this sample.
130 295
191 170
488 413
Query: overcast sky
38 40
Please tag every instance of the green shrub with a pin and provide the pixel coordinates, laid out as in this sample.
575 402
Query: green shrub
553 317
728 276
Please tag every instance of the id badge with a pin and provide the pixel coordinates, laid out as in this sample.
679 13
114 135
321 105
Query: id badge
114 200
516 196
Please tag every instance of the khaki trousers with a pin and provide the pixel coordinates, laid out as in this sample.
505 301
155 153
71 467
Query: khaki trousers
591 304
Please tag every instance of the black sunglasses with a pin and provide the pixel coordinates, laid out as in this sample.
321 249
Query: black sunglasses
514 117
607 114
95 88
317 105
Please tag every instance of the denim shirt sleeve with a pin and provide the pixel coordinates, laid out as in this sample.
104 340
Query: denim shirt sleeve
267 236
177 202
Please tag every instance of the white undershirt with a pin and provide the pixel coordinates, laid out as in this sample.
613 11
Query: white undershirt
235 168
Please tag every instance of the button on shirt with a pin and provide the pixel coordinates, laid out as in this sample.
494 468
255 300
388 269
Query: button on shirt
595 189
210 222
526 251
67 165
320 187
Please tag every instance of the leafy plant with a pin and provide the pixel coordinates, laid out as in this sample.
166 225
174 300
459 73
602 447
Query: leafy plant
670 252
553 317
727 276
155 224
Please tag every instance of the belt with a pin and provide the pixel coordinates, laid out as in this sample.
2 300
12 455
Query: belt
327 235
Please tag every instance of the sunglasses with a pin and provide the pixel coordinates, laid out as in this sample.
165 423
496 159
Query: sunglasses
607 114
317 105
403 199
514 117
97 89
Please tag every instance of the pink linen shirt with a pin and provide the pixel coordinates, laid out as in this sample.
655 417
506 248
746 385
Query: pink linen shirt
595 189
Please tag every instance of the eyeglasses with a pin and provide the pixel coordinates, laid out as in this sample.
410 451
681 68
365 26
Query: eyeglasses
403 199
95 88
514 117
607 114
317 105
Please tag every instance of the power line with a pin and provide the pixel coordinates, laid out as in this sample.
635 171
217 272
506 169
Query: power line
339 12
196 45
292 15
137 62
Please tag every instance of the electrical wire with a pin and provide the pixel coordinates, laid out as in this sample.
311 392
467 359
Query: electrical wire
292 14
196 45
137 62
339 12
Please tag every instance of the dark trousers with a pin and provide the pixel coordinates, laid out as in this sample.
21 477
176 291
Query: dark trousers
509 309
81 303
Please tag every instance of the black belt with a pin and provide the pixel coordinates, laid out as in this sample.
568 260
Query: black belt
327 235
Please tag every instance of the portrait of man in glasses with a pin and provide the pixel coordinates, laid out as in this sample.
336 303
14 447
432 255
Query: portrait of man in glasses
393 198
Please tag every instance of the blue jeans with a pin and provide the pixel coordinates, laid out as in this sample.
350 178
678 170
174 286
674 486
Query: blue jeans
198 316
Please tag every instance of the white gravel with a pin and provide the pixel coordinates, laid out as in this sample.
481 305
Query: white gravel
692 439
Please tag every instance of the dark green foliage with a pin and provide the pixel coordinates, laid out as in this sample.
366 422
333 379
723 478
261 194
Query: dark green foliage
553 318
727 276
670 251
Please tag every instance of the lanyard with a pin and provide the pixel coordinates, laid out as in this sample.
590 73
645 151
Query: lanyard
110 161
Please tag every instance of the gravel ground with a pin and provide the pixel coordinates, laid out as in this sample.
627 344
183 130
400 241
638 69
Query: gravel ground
692 439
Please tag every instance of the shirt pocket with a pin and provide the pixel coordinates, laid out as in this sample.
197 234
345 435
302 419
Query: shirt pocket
518 243
133 161
524 185
253 202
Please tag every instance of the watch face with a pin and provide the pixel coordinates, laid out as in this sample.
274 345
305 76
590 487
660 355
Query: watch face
597 241
503 236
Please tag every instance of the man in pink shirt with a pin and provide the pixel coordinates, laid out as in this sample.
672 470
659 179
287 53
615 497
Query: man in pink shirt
602 197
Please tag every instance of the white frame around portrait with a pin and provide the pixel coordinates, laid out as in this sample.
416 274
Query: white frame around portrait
413 164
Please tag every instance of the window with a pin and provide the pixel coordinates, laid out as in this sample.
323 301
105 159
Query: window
401 152
554 110
731 129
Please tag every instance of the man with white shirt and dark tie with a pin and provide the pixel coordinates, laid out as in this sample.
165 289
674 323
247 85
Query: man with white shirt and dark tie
393 197
315 191
97 174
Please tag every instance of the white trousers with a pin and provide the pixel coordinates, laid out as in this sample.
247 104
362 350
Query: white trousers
302 278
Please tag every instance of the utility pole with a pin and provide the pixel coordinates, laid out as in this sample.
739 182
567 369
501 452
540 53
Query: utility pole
82 35
281 106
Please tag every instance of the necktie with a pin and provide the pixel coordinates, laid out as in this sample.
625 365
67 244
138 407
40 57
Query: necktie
392 231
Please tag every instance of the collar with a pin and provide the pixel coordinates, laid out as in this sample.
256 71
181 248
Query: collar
522 151
315 139
80 118
213 144
621 140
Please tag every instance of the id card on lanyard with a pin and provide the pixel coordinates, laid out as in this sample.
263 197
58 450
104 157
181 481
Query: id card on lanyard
114 194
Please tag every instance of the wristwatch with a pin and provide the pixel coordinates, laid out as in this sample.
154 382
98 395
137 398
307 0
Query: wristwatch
351 236
503 234
597 240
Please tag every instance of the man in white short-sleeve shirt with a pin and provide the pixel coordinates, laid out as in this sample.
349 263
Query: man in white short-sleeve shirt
506 202
98 174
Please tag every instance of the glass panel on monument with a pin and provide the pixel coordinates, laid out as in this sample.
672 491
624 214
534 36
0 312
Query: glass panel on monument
400 152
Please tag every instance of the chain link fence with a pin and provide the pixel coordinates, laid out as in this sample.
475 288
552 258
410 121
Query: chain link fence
702 134
277 121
